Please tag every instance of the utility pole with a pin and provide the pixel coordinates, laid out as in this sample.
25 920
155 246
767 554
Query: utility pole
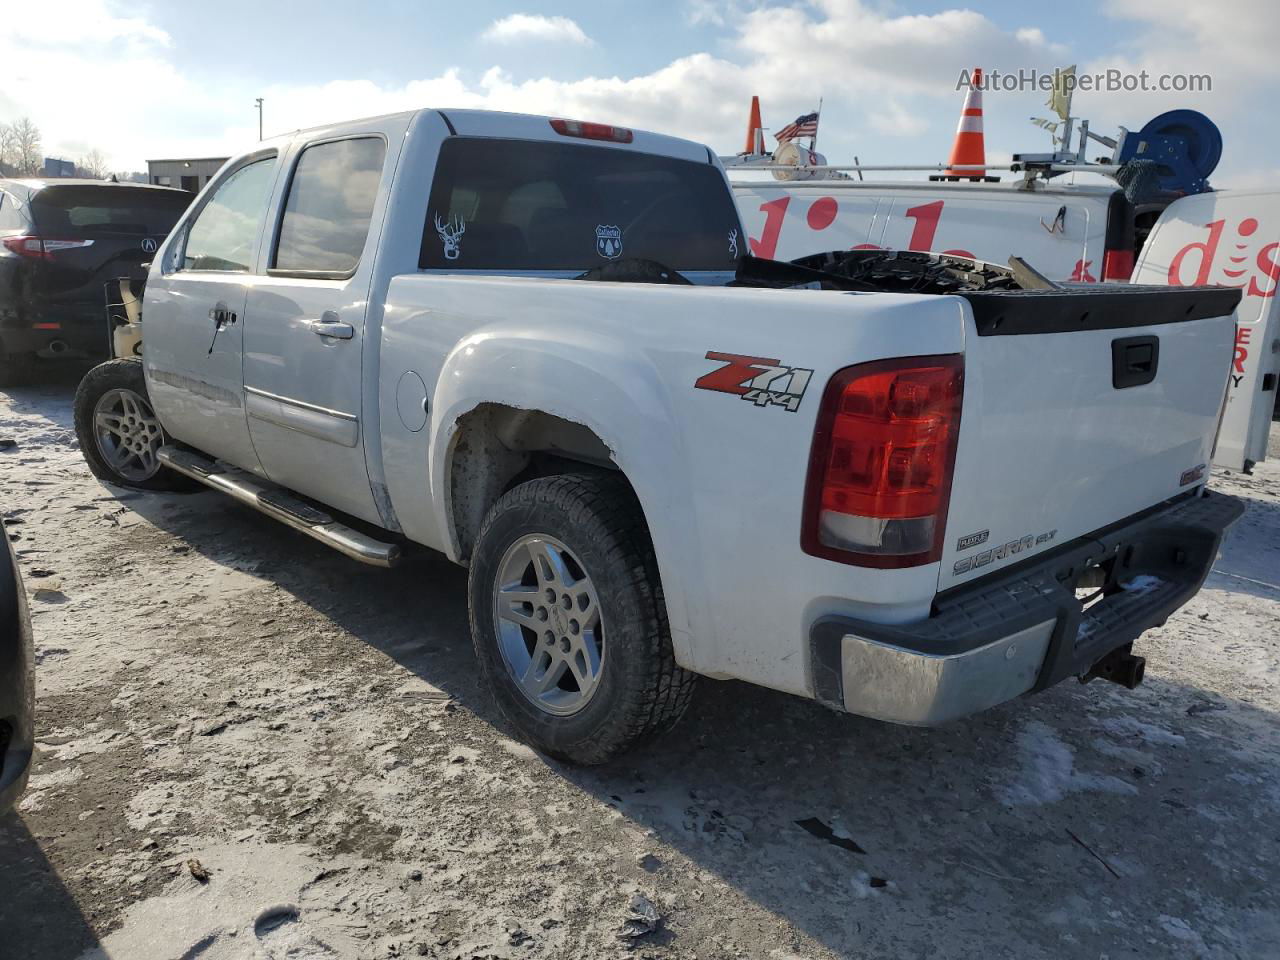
258 103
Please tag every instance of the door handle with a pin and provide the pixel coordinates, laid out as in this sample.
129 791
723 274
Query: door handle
1134 361
219 314
332 328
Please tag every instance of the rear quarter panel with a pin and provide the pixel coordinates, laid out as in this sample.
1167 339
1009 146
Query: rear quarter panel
721 480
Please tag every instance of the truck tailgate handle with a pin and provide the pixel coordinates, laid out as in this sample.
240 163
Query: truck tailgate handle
1134 361
330 326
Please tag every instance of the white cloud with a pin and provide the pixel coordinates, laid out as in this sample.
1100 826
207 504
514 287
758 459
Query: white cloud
898 121
889 80
528 26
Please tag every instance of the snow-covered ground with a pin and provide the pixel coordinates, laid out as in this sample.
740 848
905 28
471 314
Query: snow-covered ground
250 747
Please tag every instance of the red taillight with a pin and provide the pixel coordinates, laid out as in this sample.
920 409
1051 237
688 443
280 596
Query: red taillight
880 468
25 247
38 249
1117 265
592 131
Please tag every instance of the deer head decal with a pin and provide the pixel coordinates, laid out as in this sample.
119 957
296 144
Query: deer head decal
451 235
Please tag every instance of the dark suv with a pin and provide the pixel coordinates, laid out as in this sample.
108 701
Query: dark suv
60 242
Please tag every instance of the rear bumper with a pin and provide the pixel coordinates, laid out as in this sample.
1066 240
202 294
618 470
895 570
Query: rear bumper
76 329
1022 630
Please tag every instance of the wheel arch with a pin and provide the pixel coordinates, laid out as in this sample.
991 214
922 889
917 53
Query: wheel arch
507 410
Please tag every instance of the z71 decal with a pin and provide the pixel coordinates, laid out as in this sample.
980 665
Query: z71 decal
758 379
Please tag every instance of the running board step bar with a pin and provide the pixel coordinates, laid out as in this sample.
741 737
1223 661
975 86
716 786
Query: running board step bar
280 504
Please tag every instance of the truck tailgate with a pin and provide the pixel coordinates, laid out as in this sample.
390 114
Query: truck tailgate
1081 407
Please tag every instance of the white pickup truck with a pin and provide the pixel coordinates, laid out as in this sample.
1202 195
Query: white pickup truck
429 329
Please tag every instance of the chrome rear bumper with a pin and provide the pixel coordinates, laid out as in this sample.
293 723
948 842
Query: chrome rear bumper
1021 630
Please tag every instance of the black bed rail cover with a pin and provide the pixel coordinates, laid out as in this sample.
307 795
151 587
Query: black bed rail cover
1103 307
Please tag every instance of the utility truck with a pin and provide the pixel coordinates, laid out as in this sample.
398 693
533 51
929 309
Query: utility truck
911 487
1165 221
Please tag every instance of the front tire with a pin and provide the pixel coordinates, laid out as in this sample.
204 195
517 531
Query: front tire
118 430
568 619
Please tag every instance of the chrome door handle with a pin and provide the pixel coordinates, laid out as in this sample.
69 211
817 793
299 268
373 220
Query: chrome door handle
332 328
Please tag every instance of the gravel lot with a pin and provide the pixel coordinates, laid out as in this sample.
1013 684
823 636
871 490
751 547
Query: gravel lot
250 747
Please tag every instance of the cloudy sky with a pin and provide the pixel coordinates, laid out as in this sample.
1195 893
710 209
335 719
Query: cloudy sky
142 80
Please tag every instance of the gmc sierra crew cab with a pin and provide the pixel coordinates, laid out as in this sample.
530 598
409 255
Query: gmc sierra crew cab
908 486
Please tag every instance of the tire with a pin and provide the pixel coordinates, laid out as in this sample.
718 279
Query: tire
634 689
123 455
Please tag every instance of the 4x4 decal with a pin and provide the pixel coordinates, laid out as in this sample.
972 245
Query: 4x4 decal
758 379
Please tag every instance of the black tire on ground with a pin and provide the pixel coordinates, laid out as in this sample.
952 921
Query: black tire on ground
641 692
105 377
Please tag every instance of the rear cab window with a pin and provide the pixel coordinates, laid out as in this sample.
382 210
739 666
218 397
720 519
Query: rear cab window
329 208
88 211
512 205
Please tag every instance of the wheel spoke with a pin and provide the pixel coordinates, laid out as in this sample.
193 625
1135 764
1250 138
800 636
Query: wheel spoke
108 421
519 594
544 672
581 670
548 563
119 456
507 612
552 675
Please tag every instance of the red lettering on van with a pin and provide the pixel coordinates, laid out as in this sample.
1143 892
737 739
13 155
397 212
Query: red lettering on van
774 212
1242 347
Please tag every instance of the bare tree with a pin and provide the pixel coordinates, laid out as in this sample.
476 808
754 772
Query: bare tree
94 164
7 143
24 146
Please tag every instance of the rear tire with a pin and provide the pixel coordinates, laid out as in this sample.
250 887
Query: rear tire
551 551
118 430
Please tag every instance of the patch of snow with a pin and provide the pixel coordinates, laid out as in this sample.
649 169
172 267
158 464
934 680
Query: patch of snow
1132 727
59 778
1048 771
1143 584
261 902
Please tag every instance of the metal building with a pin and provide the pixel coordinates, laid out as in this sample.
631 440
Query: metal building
190 174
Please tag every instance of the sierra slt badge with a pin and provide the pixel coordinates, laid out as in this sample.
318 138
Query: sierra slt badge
1003 552
758 379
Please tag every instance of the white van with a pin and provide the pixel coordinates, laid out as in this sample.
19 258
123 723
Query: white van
1230 238
1085 233
1067 232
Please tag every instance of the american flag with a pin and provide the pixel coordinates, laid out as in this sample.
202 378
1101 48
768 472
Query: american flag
806 126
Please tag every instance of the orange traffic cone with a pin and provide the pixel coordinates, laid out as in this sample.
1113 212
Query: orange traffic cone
969 148
755 132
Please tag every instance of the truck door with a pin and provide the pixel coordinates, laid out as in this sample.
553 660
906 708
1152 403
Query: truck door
307 316
1232 239
194 315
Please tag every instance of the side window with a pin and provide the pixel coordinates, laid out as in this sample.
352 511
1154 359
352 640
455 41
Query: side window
10 219
223 234
326 218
